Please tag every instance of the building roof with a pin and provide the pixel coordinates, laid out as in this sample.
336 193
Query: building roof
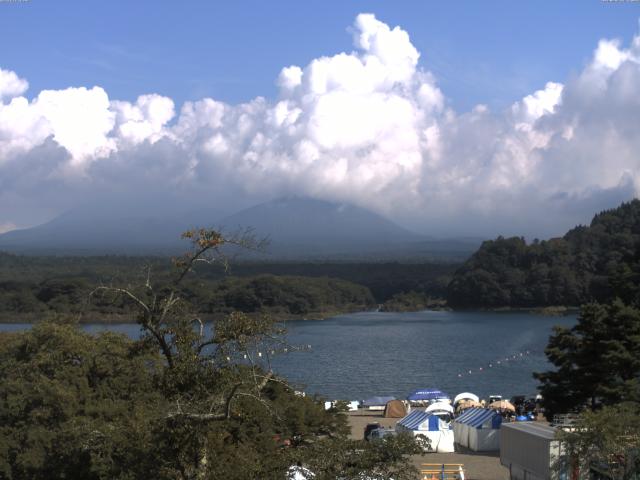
538 429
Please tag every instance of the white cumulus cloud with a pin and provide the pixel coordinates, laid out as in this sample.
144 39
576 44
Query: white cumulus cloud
11 85
143 120
369 126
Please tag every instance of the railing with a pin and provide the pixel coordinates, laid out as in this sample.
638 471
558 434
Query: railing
565 420
443 471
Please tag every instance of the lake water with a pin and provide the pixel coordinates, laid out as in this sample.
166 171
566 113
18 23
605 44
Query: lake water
359 355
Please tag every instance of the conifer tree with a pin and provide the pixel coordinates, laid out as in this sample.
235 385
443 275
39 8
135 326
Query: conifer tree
597 361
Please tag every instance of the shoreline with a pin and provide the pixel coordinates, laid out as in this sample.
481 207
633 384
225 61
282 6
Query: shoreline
121 319
548 311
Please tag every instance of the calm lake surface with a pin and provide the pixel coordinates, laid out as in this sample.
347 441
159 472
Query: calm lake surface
359 355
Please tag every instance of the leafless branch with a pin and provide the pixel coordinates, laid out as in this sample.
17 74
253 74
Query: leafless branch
122 291
201 334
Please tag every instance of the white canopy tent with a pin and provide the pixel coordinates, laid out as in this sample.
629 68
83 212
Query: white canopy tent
466 396
440 407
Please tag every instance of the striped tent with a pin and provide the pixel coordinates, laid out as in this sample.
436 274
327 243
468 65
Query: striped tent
420 420
478 429
430 426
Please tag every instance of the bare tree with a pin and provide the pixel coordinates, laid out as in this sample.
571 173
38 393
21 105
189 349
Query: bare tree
207 368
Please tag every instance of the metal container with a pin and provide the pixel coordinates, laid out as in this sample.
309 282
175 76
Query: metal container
530 451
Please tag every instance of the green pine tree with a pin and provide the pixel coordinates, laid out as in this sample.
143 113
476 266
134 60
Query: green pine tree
597 361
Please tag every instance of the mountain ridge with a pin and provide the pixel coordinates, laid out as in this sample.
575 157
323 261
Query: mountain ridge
299 228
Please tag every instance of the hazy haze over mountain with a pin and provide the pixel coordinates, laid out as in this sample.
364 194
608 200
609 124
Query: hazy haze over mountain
306 220
296 228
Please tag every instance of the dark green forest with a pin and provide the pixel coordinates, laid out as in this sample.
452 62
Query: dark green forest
34 288
281 296
590 263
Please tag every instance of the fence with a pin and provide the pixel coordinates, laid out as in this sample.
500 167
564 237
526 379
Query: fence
443 471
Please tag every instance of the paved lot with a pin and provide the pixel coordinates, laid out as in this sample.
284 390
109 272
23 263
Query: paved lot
484 466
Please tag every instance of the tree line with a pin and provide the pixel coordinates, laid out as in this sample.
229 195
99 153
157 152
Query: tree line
282 296
590 263
33 288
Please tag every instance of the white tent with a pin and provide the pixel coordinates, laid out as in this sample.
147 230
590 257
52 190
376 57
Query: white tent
430 426
440 407
466 396
478 429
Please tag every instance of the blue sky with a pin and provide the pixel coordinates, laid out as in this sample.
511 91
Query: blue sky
491 52
465 117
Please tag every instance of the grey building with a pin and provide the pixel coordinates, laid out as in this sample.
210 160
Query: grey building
530 451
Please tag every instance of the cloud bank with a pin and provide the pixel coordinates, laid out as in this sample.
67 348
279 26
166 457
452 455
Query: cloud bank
369 127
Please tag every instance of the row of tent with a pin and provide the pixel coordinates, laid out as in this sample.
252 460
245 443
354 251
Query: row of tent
426 397
476 429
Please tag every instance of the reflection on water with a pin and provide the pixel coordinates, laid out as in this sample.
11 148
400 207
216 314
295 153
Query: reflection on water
375 353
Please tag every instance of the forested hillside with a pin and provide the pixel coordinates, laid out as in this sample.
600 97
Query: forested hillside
37 287
595 262
283 296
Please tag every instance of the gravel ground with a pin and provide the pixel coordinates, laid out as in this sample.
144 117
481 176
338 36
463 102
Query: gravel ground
478 466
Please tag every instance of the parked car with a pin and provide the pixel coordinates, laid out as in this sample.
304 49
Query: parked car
380 433
369 428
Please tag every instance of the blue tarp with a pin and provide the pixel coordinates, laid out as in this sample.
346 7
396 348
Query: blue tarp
377 401
417 418
427 395
528 417
476 417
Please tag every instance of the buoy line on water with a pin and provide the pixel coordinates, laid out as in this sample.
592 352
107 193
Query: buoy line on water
496 363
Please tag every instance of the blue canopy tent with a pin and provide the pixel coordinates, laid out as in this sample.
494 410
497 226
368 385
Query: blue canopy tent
427 396
478 429
432 427
377 402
